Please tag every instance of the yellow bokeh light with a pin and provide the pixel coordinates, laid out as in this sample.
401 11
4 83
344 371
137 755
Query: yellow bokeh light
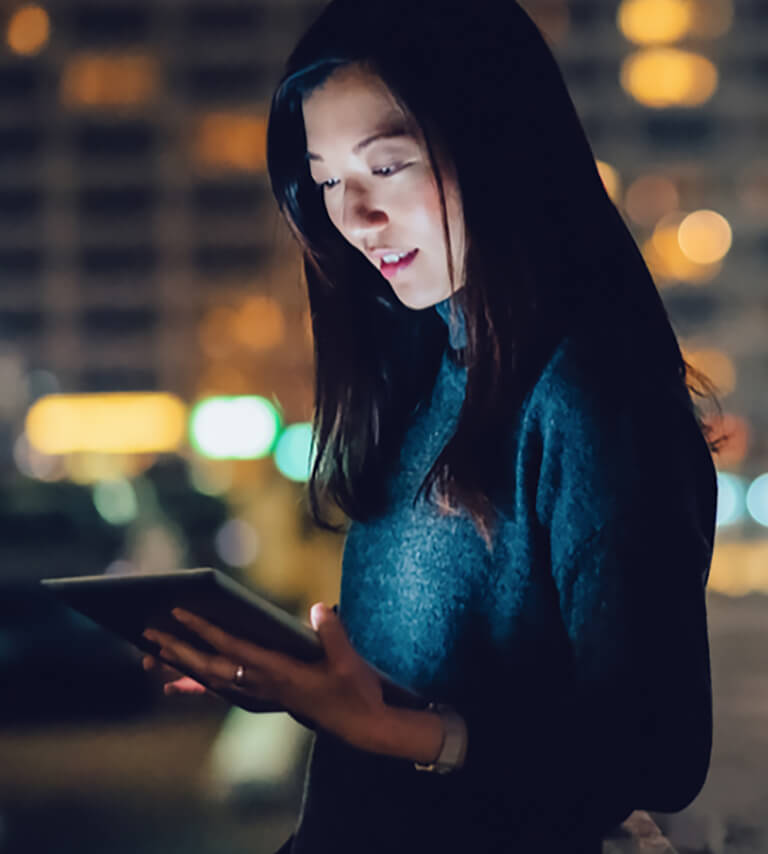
655 21
231 140
739 568
649 198
666 259
108 423
666 77
260 324
705 236
96 80
28 31
716 364
610 179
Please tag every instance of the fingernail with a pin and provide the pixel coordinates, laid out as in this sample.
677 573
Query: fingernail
148 634
179 614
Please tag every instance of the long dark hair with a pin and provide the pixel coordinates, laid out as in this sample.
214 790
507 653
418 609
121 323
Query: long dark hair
545 245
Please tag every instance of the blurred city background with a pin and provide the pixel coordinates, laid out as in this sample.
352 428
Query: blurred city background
156 377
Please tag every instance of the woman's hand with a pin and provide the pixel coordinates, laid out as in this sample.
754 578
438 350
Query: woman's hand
341 693
178 683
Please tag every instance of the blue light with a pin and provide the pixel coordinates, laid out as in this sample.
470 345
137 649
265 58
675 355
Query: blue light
757 499
730 498
293 450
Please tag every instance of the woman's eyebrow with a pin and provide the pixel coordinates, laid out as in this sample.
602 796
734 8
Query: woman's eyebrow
389 132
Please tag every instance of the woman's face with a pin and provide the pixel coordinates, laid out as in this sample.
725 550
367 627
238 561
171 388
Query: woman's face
382 194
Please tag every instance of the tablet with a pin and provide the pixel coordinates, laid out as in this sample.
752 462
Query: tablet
128 604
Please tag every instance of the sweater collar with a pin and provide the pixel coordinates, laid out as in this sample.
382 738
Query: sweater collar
457 332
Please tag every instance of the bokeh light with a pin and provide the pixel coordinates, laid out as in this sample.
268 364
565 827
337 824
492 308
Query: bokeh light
259 324
105 80
112 422
239 427
230 141
210 477
115 501
731 492
705 236
668 77
757 499
649 198
294 453
237 543
667 261
28 30
655 21
32 463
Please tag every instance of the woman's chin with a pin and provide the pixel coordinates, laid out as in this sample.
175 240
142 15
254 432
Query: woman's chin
416 298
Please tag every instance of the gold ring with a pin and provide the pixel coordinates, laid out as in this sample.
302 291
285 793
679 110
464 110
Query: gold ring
239 675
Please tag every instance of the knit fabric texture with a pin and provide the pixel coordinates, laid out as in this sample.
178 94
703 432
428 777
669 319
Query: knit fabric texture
577 651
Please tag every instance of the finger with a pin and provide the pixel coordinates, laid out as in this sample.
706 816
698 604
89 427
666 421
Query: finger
235 649
332 633
185 685
188 658
151 664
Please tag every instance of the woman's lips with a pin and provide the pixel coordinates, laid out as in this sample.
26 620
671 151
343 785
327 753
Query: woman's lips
390 270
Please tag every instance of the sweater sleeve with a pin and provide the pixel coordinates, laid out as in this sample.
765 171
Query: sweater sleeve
630 509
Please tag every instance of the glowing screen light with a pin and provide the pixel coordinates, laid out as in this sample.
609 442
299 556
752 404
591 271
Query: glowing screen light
730 498
242 427
292 454
757 499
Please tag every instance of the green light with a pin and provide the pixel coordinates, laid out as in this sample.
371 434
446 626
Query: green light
234 428
292 453
115 501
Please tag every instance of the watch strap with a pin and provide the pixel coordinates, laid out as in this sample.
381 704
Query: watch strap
454 745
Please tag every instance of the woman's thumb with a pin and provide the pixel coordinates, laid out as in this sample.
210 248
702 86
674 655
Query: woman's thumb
327 624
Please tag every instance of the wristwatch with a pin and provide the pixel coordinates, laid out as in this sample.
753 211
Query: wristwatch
454 746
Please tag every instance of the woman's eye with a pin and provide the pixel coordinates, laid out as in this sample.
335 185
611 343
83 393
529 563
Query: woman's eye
327 185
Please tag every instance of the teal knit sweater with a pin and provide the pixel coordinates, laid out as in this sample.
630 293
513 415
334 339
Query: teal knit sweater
577 652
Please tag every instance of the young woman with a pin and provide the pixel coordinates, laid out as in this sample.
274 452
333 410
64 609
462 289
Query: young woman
502 412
